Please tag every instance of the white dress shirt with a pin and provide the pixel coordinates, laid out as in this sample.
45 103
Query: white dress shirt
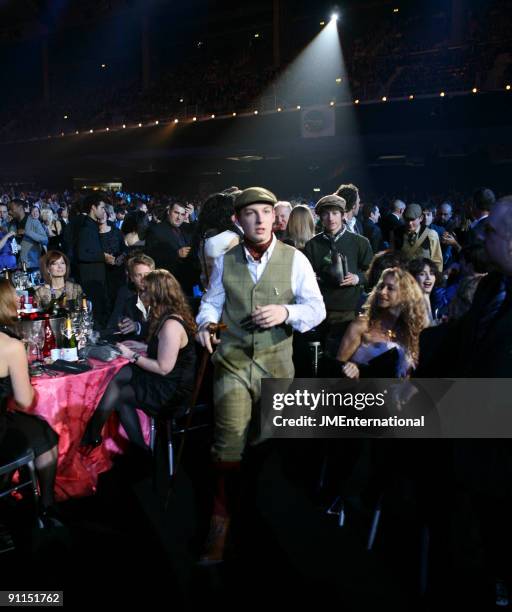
306 313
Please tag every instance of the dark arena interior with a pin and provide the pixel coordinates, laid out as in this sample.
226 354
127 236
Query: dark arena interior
256 304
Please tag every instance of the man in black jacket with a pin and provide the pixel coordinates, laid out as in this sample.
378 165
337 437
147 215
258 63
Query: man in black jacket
90 256
130 314
169 244
371 216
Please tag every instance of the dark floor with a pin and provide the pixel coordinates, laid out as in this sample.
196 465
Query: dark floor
127 546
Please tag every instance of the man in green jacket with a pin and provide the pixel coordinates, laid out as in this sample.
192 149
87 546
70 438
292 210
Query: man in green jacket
341 297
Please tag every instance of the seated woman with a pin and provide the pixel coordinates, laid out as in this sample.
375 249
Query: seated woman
161 379
393 317
55 271
20 431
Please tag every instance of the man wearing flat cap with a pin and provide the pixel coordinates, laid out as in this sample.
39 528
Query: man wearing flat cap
262 289
418 240
341 296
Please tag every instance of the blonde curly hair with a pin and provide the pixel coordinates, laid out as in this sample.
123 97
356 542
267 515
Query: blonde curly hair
413 316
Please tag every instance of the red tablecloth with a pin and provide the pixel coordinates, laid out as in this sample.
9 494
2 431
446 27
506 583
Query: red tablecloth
67 402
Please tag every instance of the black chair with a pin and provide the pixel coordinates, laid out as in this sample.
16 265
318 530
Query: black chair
24 464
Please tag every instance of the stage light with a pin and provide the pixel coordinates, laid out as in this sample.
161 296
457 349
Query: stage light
279 109
474 90
124 126
65 116
322 23
103 65
256 36
411 97
181 99
176 120
356 101
140 124
395 10
194 118
213 116
507 87
298 106
234 114
316 189
77 132
108 129
157 122
255 112
334 17
442 94
331 103
62 133
91 131
384 99
338 80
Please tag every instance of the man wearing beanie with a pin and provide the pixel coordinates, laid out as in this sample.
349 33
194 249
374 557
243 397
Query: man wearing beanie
262 290
341 298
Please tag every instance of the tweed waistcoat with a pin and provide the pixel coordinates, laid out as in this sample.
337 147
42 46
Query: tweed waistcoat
241 343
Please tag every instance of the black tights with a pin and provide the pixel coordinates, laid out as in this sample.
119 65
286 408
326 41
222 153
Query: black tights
120 396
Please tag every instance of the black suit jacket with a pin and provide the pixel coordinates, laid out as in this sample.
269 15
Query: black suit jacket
374 234
126 307
389 224
163 242
454 350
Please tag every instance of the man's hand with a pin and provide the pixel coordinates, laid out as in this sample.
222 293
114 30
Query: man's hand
127 326
190 209
206 338
350 370
110 259
269 316
450 240
183 252
351 280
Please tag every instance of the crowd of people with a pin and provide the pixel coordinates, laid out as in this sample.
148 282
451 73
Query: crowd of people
414 290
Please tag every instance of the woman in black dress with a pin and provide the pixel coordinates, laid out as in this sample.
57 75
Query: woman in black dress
162 380
20 431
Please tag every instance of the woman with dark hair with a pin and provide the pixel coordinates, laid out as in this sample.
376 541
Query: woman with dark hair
165 376
112 243
427 276
217 231
55 271
134 230
20 431
393 317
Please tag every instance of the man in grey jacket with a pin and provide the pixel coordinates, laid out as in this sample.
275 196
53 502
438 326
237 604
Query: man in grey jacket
34 238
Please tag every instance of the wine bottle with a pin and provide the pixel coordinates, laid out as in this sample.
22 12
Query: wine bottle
49 337
69 343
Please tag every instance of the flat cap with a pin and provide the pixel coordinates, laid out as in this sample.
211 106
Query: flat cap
331 200
413 211
254 195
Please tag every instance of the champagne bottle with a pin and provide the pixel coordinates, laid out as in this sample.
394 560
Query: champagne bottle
69 343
